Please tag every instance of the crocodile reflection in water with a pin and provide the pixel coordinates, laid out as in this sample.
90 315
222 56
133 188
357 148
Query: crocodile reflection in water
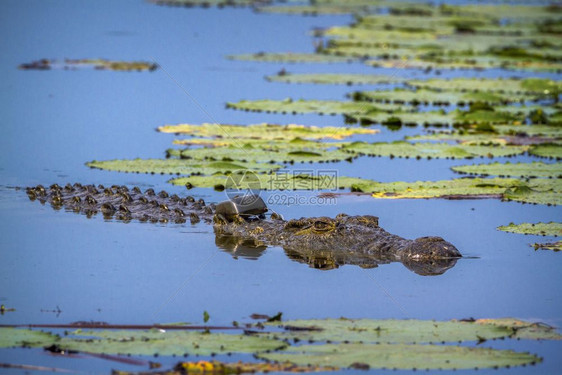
321 242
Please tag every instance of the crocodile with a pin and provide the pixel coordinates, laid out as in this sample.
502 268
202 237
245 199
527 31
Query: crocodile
321 242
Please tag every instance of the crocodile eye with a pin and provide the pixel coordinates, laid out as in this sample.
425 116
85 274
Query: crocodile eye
323 226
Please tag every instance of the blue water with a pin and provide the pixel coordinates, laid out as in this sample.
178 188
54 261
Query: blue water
57 267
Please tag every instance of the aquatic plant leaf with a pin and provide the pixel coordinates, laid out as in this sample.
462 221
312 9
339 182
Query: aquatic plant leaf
401 356
333 78
485 116
328 107
524 330
420 150
97 64
208 3
320 9
554 246
537 86
389 331
424 96
496 133
169 343
18 337
299 180
542 229
179 166
533 169
281 152
539 191
551 151
265 131
474 63
216 367
290 57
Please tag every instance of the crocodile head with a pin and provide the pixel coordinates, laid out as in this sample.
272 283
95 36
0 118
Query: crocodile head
430 248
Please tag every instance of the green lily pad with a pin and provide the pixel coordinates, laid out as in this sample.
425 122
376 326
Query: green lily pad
538 191
362 6
290 57
179 166
332 78
420 150
97 64
208 3
476 63
326 180
551 151
165 343
542 229
17 337
533 169
265 131
282 152
390 331
524 330
538 86
328 107
401 356
496 134
423 96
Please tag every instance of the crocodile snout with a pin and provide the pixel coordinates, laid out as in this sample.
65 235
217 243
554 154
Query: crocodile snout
431 248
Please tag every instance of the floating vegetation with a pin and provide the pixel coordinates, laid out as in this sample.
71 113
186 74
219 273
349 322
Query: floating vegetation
275 181
551 151
554 246
390 331
496 134
179 166
536 86
539 229
327 107
425 97
367 113
401 356
475 63
290 57
282 152
210 3
224 368
523 170
16 337
333 78
265 131
97 64
341 343
420 150
537 191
